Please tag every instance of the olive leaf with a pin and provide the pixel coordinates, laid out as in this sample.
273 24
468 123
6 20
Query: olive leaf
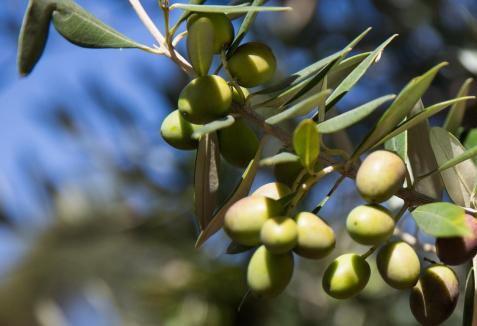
213 126
456 114
283 157
301 108
186 14
398 109
206 178
226 9
459 179
200 45
468 313
240 191
399 145
441 220
351 117
306 143
471 141
421 158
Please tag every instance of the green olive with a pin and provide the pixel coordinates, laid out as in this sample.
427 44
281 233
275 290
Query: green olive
244 219
238 143
398 265
252 64
315 238
287 172
177 132
434 297
346 276
458 250
268 274
205 99
223 29
370 224
380 176
237 98
279 234
273 190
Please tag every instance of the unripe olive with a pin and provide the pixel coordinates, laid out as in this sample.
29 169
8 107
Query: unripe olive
177 132
458 250
435 295
315 238
223 29
279 234
346 276
380 176
205 99
273 190
287 172
370 224
252 64
238 143
398 265
268 274
237 98
244 219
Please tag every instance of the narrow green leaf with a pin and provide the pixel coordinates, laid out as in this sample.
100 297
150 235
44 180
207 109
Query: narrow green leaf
235 248
459 180
456 114
200 45
421 117
351 117
240 191
356 74
468 313
301 108
213 126
398 110
468 154
399 145
471 141
206 178
283 157
83 29
441 220
226 9
306 143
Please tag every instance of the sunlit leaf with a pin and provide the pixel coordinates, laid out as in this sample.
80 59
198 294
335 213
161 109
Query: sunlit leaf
213 126
456 114
471 141
226 9
441 220
284 157
306 143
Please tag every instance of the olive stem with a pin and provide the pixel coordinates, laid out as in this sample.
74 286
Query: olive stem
233 81
369 252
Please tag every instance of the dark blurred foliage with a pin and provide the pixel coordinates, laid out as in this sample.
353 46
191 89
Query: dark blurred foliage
115 241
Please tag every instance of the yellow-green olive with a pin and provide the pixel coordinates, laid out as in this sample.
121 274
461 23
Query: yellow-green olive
177 132
205 99
223 29
458 250
370 224
398 265
244 219
237 98
287 172
273 190
238 143
268 274
315 238
279 234
380 176
435 295
346 276
252 64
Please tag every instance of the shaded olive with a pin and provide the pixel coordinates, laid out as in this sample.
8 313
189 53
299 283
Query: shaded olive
268 274
237 98
287 172
205 99
177 132
238 143
273 190
370 224
458 250
435 295
398 265
244 219
223 29
252 64
380 176
279 234
315 238
346 276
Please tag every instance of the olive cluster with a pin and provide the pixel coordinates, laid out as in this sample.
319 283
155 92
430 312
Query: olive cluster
210 97
259 220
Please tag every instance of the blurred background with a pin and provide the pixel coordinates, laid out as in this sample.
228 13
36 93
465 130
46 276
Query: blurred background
96 209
